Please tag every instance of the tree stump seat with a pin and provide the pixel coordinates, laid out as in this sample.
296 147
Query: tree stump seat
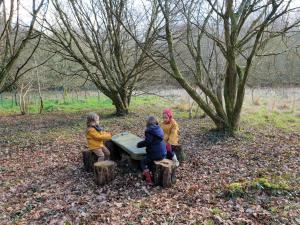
104 171
89 158
180 154
164 173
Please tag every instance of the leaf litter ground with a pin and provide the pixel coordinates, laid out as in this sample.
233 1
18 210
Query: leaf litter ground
42 180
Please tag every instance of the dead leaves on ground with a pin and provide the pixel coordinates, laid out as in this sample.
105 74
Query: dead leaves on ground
42 181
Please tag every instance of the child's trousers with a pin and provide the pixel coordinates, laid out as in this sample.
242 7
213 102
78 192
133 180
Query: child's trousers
102 153
147 163
170 153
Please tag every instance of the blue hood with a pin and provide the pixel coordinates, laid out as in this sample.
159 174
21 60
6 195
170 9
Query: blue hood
156 131
154 142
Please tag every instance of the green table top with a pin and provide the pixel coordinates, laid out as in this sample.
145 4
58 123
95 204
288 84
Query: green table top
127 141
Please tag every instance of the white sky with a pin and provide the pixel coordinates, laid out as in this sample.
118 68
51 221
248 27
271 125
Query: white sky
26 7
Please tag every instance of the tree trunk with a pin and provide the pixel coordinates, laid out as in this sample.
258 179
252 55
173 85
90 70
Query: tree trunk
65 94
41 105
104 171
40 96
85 94
23 103
39 87
98 95
121 105
121 111
230 125
16 99
164 173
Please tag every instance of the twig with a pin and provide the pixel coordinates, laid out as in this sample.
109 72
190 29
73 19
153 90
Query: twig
146 191
173 221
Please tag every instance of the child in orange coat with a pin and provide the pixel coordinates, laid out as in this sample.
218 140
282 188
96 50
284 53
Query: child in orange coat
96 137
171 129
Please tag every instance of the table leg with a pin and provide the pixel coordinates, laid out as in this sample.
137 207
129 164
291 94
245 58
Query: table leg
134 165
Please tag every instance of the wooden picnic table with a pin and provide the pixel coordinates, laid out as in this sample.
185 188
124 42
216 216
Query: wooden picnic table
127 142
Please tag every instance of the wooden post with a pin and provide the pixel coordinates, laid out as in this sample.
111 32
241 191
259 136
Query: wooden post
89 158
164 173
104 171
179 153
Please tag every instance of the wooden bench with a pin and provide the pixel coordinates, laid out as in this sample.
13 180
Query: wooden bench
127 142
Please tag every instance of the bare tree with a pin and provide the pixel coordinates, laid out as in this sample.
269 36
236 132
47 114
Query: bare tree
23 91
15 35
90 33
281 68
222 38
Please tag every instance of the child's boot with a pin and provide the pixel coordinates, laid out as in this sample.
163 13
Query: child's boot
175 160
147 176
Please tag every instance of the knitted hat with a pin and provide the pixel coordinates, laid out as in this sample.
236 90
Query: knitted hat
169 113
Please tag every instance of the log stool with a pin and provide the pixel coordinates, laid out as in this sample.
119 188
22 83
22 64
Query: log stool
89 158
180 154
104 171
164 173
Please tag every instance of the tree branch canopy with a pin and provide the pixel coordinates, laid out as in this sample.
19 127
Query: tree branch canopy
96 39
220 39
15 36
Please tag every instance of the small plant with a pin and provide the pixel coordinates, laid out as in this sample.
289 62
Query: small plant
235 186
273 210
2 169
216 211
67 222
208 222
242 223
272 186
265 184
235 190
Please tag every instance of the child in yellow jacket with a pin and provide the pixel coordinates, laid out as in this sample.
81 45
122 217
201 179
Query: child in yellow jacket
171 129
96 137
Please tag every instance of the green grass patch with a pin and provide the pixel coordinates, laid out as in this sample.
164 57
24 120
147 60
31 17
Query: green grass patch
149 100
75 105
260 116
285 120
273 185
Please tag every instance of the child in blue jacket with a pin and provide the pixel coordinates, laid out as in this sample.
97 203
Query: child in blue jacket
155 147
